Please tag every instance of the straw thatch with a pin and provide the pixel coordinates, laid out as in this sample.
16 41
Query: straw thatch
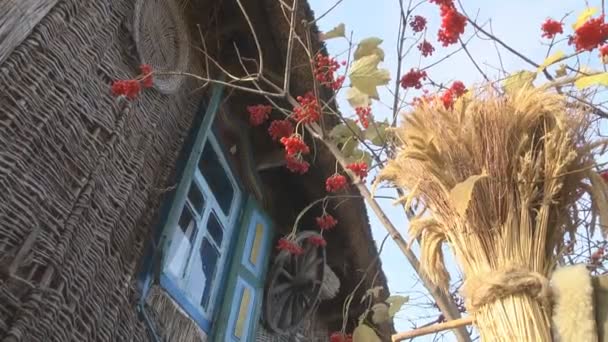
82 177
500 177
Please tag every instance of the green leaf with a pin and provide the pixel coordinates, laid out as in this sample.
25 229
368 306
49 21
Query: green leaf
461 193
376 132
349 148
551 59
357 98
588 81
336 32
363 333
369 46
519 80
342 132
365 75
396 302
584 16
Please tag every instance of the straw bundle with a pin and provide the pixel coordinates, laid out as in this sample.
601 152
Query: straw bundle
499 177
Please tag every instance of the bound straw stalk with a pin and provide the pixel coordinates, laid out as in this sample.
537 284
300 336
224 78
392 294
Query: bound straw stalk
499 177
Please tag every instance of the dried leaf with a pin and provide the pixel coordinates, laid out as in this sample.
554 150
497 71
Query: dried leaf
461 193
561 71
363 333
369 46
551 59
365 75
589 81
396 302
336 32
584 16
519 80
380 313
599 193
357 98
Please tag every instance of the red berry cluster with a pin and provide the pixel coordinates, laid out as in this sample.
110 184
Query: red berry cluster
597 257
326 222
451 94
335 183
295 145
131 88
551 28
364 114
258 114
413 79
340 337
426 48
452 23
425 98
325 68
604 51
308 110
604 176
360 169
290 246
317 241
279 129
296 164
590 35
418 23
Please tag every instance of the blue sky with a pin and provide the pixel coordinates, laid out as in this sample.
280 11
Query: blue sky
516 22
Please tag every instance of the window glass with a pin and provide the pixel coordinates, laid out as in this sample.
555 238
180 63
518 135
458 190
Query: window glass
187 223
216 177
196 198
214 227
209 257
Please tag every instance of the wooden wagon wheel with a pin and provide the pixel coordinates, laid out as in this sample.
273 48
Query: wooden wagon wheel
293 285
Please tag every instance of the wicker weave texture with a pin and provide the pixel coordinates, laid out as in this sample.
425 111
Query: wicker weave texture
80 176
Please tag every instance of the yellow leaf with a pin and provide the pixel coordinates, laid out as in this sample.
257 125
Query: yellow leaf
363 333
551 59
357 98
461 193
584 16
519 80
588 81
365 75
396 302
336 32
369 46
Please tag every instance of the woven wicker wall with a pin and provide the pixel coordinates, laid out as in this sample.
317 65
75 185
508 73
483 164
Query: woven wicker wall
80 176
312 330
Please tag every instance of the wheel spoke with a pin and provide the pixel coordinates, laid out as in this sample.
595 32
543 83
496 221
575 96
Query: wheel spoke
286 313
278 290
284 272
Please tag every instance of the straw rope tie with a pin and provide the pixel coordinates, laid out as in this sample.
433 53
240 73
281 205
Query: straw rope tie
489 287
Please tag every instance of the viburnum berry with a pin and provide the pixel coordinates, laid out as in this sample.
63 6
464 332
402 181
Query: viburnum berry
604 53
290 246
335 183
551 28
258 114
426 48
364 114
418 23
317 241
279 129
413 79
359 168
425 98
146 71
448 3
452 25
458 88
128 88
325 68
451 94
295 145
326 222
308 110
340 337
296 164
590 35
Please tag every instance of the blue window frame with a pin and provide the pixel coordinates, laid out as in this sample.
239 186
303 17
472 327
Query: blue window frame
199 226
